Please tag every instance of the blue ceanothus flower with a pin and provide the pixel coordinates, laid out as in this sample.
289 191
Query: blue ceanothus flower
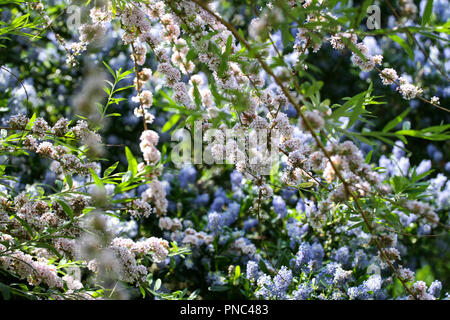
187 176
201 200
279 206
215 222
252 270
303 292
308 257
250 223
232 213
435 288
281 282
220 200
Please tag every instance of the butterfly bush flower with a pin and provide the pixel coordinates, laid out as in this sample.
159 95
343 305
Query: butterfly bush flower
435 100
388 76
369 62
18 122
408 91
140 209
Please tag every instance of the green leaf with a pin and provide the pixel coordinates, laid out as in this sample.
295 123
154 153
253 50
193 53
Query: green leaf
124 75
191 55
47 246
110 70
369 157
416 177
123 88
142 291
357 110
98 182
228 47
132 163
25 225
356 225
427 13
403 44
285 34
222 67
6 291
434 136
110 169
237 272
69 181
157 285
353 48
113 114
172 121
391 124
263 266
306 185
127 176
67 209
31 122
107 90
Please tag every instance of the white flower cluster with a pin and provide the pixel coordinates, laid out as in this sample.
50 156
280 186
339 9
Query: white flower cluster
90 32
157 195
419 289
64 161
408 90
388 76
157 248
435 100
337 43
35 272
149 140
195 238
140 209
423 210
369 61
145 97
166 223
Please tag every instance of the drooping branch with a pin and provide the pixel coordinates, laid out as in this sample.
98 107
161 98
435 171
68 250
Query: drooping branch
316 138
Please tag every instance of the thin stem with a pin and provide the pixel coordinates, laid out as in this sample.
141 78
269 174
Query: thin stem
20 81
